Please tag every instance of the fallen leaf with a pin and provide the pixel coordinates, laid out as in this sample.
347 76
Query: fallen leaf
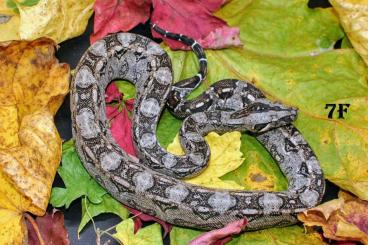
13 229
196 20
225 157
112 93
32 87
78 184
342 219
13 4
57 19
354 19
259 170
177 16
121 128
118 15
51 228
139 217
287 235
148 235
108 205
76 179
298 69
9 25
214 236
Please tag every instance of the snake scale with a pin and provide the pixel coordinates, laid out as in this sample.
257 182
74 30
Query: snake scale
151 183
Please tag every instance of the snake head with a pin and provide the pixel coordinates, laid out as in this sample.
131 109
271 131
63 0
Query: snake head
263 115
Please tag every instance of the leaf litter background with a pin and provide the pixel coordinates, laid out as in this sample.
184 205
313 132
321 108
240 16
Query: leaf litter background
280 59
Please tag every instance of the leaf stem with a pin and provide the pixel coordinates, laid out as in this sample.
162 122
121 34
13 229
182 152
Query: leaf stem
35 227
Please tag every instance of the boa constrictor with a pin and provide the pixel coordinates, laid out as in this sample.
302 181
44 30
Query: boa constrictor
147 183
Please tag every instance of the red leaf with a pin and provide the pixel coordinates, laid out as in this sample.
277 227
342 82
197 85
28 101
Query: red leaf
139 217
51 227
112 93
220 236
194 18
121 128
118 15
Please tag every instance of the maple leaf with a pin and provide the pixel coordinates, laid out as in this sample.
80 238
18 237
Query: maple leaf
32 88
225 157
139 217
342 219
108 205
193 18
76 179
118 15
51 229
148 235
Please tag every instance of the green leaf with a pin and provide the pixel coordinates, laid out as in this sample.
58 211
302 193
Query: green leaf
278 236
29 3
108 205
345 43
126 88
76 179
283 27
12 5
286 61
286 235
148 235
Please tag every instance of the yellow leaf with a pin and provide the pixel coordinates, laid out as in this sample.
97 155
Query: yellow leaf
12 227
9 25
32 87
353 16
145 236
342 219
225 157
56 19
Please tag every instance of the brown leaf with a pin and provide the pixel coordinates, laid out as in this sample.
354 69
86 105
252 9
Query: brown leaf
50 227
342 219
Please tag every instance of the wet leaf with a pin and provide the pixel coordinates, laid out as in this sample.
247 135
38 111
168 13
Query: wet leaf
148 235
342 219
354 18
116 15
76 179
59 20
304 76
32 87
108 205
225 157
51 228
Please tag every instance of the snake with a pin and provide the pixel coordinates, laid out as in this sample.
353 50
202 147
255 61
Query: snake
152 182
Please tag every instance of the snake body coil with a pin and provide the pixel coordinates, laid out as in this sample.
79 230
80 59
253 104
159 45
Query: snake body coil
148 183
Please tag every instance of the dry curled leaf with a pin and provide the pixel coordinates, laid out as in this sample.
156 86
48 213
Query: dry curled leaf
342 219
32 87
353 16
